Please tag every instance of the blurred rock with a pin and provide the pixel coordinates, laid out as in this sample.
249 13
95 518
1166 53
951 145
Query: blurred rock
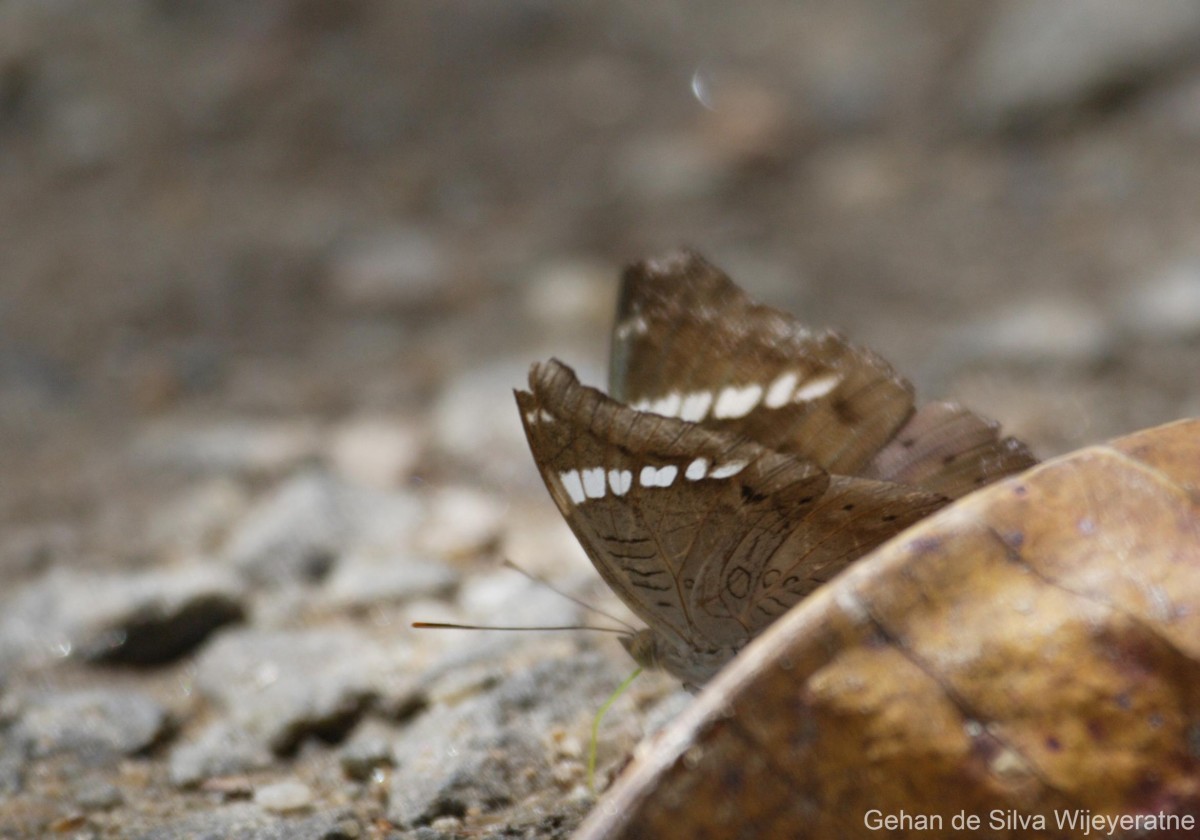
364 578
1039 331
391 270
233 446
221 749
95 724
374 451
1037 58
281 687
669 168
93 794
495 748
369 748
138 618
294 534
461 522
284 797
196 521
247 821
475 419
1166 307
567 295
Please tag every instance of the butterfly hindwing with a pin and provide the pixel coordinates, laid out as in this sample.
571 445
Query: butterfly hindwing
656 501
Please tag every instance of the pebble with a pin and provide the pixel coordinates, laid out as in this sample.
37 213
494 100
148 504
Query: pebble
283 797
95 724
1039 58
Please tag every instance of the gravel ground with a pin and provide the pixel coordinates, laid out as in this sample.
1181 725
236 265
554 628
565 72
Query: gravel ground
269 274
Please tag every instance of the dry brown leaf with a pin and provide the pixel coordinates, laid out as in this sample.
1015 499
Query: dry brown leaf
1028 658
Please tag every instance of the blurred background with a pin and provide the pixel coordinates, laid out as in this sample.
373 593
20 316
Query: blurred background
296 210
241 241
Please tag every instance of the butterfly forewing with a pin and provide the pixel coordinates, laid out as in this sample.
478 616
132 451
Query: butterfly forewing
661 505
689 343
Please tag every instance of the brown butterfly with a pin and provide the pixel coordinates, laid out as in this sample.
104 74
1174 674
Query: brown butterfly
742 461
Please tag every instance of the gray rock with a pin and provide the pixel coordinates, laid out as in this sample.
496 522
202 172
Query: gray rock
1039 331
94 794
462 522
229 446
141 618
475 419
96 724
1167 306
247 821
1041 57
300 529
222 749
281 687
295 533
495 750
366 578
13 757
368 749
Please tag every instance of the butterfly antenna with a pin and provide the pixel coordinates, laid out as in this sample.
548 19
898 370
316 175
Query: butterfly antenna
438 625
536 579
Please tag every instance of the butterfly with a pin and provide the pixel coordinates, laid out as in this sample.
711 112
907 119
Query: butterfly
741 460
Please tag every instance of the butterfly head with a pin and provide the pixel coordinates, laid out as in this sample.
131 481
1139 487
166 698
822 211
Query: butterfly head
694 667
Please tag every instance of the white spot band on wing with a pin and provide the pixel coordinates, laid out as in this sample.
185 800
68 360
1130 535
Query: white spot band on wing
658 476
593 483
816 388
572 485
727 470
780 391
737 402
697 469
620 481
